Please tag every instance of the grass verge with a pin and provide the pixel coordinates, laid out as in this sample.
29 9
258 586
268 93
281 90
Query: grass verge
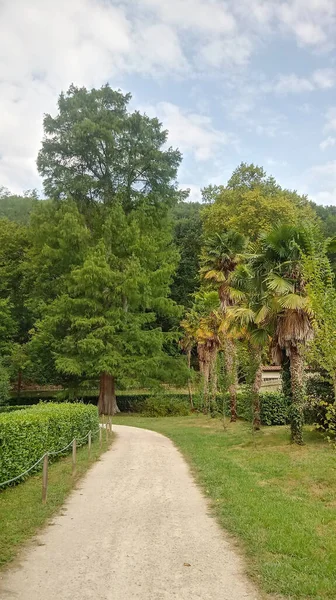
277 499
21 510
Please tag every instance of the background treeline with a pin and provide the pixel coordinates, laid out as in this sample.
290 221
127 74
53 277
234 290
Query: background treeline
96 277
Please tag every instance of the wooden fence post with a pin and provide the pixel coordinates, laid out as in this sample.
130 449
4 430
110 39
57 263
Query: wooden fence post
106 429
74 448
100 436
89 443
110 420
45 479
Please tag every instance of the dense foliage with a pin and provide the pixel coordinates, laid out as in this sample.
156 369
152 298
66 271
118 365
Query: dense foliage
26 435
98 279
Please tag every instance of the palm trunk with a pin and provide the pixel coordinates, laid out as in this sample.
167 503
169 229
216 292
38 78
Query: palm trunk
296 409
189 380
107 403
206 377
231 370
213 381
256 397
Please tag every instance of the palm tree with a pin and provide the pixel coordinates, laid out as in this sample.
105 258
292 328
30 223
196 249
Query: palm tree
249 321
280 265
201 329
222 253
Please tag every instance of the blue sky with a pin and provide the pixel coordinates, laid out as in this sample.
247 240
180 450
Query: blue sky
241 80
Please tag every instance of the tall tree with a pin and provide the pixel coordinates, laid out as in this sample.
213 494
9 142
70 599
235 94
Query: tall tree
188 239
94 150
282 268
16 319
201 326
221 255
253 203
104 323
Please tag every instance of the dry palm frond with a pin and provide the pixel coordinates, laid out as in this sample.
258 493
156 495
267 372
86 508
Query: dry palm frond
294 327
214 275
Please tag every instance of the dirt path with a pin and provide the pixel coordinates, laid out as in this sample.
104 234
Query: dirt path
137 528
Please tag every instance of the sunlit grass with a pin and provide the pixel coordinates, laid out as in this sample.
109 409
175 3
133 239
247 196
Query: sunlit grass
279 500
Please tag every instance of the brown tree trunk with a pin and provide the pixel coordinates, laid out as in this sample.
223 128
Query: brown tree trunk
231 370
19 383
189 381
107 403
206 377
256 397
213 381
296 409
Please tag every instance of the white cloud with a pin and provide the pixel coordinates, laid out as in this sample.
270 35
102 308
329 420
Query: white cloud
320 79
271 162
324 79
311 21
191 132
292 84
195 191
45 46
331 119
212 17
231 51
323 179
328 143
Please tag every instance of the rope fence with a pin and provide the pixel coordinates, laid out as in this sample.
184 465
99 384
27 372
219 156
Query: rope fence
75 443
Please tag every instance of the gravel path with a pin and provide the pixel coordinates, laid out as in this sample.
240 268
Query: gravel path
136 528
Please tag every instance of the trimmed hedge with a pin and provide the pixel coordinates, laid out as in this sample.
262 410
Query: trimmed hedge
165 406
273 406
8 409
26 435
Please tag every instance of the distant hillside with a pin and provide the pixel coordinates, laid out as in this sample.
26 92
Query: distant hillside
16 208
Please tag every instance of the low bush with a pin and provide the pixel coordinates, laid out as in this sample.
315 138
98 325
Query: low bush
165 406
326 419
7 409
273 406
26 435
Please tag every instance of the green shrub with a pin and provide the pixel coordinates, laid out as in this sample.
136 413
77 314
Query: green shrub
165 406
7 409
26 435
319 388
273 406
326 419
4 384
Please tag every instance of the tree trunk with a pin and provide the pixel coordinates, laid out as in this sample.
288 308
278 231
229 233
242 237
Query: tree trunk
256 397
213 381
296 409
231 371
206 377
107 403
189 381
19 383
286 377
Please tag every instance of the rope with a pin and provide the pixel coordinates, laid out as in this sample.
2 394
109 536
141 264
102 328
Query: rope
54 453
59 451
22 474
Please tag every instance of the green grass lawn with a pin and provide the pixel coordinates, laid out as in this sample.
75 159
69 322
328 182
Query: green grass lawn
277 499
21 510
